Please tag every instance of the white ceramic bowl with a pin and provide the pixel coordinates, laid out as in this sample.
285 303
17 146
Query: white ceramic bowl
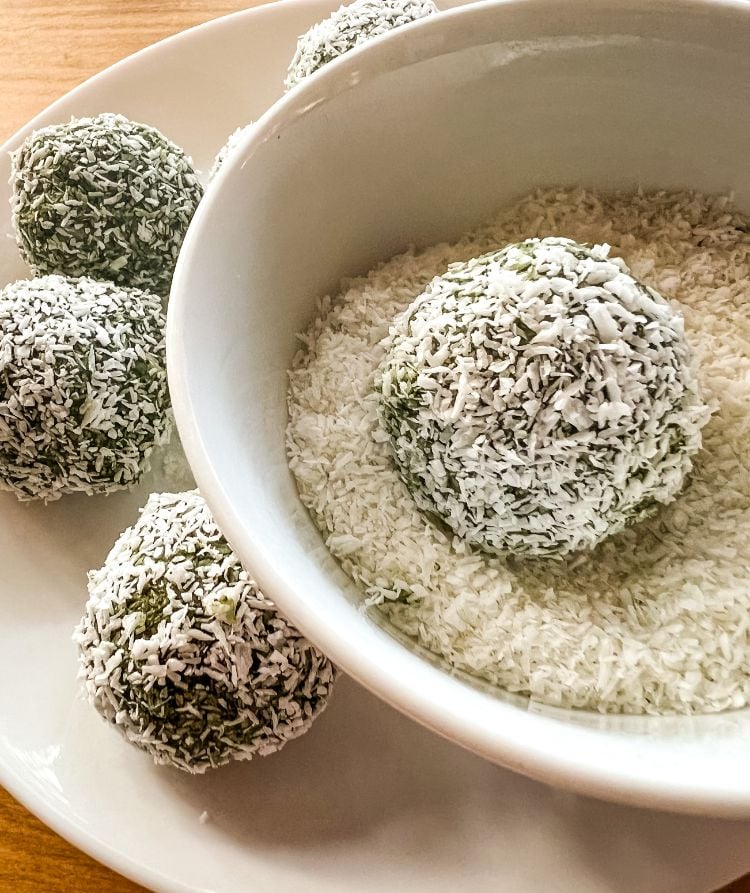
413 139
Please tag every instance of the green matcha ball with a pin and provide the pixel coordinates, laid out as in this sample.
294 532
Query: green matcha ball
182 652
103 197
538 399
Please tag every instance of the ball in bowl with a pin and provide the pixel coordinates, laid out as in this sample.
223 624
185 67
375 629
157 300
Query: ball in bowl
538 398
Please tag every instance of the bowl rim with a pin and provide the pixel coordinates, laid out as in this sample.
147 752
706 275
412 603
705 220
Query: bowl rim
567 755
74 830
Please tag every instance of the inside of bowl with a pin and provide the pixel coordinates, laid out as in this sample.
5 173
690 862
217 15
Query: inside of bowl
409 143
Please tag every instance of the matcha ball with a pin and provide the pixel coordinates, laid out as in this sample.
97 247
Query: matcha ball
83 386
349 27
180 650
103 197
228 148
538 399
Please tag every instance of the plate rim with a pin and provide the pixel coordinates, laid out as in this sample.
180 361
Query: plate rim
71 829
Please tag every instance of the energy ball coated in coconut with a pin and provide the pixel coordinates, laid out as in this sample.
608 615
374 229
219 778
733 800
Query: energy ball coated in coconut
229 147
83 386
347 28
103 197
538 399
181 651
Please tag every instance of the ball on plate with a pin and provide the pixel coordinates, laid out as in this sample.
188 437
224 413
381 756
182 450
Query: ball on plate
347 28
104 197
181 651
228 148
83 386
538 399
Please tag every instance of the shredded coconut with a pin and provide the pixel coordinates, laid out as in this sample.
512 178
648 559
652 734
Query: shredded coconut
83 386
657 618
180 650
104 197
539 398
233 141
349 27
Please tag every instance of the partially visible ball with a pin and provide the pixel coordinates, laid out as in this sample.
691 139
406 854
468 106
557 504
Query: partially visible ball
228 148
103 197
347 28
537 399
83 386
180 650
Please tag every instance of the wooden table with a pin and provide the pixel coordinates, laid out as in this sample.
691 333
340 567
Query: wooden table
47 48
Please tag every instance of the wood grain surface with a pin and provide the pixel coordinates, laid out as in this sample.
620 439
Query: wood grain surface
45 49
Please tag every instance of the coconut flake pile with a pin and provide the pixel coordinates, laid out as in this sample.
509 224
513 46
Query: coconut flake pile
349 27
539 398
656 619
180 650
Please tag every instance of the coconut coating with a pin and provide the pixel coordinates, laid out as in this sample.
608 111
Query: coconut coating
233 141
349 27
538 398
182 652
83 386
103 197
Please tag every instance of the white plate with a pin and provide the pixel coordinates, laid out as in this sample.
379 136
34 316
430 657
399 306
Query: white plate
367 801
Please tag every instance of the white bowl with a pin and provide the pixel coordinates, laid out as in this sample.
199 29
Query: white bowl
413 139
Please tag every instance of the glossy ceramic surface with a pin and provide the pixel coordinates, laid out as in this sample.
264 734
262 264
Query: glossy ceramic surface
411 140
368 801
